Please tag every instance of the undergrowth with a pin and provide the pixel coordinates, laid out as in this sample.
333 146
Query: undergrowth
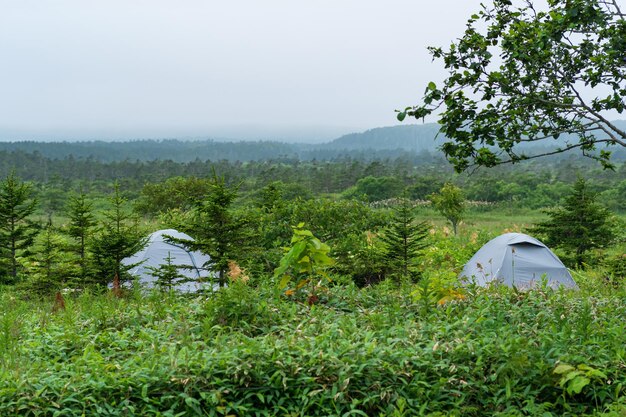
374 351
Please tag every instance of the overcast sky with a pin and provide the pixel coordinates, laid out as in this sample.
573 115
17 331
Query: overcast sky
116 69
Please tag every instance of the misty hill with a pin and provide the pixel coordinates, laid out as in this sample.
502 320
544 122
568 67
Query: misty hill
423 138
418 141
384 142
409 137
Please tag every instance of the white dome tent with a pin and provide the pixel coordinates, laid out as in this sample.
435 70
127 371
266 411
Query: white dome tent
519 260
155 254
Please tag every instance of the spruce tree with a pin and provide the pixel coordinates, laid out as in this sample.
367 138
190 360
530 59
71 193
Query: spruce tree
49 270
405 239
81 223
219 231
118 237
17 230
579 225
167 274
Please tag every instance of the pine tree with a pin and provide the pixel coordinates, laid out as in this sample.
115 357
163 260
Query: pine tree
405 239
17 230
81 222
219 231
579 225
119 237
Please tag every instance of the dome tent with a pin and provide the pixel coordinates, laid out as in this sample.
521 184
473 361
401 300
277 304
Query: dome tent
155 254
516 259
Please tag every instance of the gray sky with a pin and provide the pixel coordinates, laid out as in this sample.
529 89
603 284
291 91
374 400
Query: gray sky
115 69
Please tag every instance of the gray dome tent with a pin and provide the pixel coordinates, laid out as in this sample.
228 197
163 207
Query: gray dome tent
155 254
516 259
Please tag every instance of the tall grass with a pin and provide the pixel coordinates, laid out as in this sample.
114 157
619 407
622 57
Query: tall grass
372 351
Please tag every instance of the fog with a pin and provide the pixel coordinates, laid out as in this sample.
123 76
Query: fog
276 69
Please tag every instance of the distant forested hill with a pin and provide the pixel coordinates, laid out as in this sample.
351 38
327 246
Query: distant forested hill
409 137
418 141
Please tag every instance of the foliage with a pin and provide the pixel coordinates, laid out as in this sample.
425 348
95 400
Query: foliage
429 348
534 184
575 379
173 193
580 225
80 228
522 73
616 268
375 188
405 240
362 257
450 202
48 267
219 231
305 262
276 194
118 237
424 185
17 230
270 197
336 222
371 351
167 274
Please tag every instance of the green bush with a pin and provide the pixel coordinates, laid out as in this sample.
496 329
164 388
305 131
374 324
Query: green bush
374 351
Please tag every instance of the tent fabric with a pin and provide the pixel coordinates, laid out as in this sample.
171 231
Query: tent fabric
155 254
519 260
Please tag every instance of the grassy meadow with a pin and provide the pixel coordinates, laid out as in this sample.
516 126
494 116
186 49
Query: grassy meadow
428 348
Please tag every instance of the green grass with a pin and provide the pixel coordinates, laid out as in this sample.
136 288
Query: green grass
376 351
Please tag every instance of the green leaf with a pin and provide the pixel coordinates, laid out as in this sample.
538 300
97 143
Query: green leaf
432 86
577 384
284 281
563 369
296 251
401 116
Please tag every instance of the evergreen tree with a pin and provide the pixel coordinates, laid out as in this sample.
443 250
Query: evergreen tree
81 222
579 225
271 196
405 239
119 237
49 269
219 231
166 274
17 230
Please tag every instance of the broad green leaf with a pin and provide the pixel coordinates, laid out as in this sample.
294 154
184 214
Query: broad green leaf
284 281
577 384
563 368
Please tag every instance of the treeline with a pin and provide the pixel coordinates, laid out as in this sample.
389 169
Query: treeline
83 241
531 184
419 143
387 142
